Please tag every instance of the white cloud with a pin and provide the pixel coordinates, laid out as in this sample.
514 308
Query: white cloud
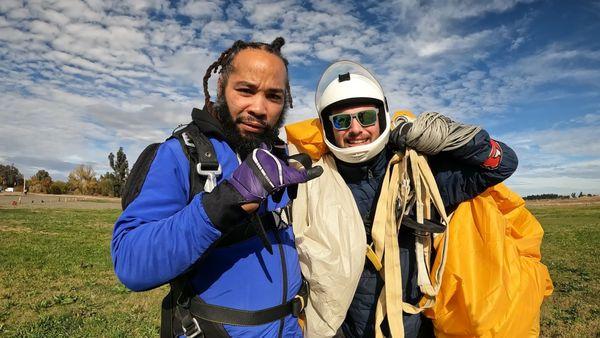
265 13
558 161
202 9
557 185
588 119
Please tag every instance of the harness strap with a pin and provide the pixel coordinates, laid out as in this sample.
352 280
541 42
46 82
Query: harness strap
403 173
204 166
197 310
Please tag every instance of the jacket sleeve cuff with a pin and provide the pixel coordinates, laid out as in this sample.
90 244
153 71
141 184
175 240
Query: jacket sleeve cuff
223 207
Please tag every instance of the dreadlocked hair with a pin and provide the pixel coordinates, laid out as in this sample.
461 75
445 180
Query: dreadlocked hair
224 65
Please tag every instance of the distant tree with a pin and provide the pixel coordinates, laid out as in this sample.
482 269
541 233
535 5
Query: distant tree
58 188
10 176
82 180
40 182
544 197
580 194
574 195
120 168
106 184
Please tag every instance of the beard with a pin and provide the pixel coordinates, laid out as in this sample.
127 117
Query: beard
244 144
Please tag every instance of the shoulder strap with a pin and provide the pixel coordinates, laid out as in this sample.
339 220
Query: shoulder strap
204 167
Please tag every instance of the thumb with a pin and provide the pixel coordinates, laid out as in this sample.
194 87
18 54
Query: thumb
314 172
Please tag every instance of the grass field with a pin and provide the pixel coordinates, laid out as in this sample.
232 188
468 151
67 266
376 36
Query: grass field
56 276
571 252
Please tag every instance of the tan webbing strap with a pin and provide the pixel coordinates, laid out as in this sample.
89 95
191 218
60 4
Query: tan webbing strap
392 272
380 218
380 314
439 204
420 194
385 238
428 242
396 188
373 258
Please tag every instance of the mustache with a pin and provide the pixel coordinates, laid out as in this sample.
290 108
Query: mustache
244 119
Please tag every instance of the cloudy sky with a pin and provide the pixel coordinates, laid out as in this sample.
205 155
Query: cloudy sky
78 79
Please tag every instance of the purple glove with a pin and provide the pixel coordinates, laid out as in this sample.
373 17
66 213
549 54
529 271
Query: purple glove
263 174
260 175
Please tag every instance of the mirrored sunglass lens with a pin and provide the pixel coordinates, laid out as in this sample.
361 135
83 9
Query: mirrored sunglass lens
367 117
341 121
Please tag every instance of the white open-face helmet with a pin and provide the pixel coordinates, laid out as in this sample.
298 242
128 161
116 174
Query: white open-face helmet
346 83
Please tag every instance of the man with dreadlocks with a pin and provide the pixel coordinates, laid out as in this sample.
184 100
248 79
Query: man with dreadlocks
214 245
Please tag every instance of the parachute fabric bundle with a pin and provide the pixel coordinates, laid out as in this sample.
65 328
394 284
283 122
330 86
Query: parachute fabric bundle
330 238
494 282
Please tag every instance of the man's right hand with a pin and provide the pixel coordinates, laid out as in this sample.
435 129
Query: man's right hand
397 139
260 175
263 174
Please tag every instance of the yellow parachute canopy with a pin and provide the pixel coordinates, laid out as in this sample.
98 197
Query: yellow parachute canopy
493 283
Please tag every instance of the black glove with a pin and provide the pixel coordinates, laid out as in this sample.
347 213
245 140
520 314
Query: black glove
260 175
397 139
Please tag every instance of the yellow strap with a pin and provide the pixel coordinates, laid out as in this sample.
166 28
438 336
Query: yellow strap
429 180
393 274
380 314
390 300
412 167
380 218
373 258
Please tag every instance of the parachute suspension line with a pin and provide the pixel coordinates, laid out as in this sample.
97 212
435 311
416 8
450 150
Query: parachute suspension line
433 132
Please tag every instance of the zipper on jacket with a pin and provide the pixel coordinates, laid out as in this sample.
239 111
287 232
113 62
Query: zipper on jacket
285 278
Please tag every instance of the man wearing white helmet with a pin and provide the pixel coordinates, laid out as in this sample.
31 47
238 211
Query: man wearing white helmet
356 124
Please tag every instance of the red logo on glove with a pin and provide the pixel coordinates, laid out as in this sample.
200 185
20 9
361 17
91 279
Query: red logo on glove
495 156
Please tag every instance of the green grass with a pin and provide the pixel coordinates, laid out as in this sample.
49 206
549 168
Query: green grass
571 252
56 277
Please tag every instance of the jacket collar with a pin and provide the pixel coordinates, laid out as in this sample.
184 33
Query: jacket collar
207 123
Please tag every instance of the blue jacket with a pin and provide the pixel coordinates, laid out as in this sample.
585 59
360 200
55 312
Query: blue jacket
160 236
459 175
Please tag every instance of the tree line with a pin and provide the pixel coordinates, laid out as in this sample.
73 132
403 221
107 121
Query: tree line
556 196
82 180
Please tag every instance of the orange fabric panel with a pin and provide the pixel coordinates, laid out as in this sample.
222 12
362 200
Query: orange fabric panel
494 283
307 136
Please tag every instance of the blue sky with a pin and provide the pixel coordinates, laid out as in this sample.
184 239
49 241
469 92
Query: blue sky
78 79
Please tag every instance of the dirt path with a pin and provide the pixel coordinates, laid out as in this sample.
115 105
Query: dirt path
30 201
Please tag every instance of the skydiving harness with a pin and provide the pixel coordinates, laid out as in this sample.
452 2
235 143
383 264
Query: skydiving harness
408 190
183 313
